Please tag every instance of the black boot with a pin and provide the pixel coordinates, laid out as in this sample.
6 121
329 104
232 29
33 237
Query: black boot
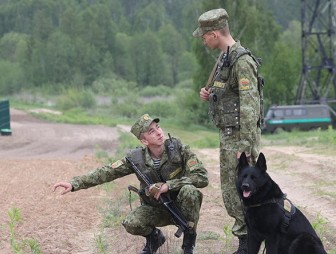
242 249
153 241
189 239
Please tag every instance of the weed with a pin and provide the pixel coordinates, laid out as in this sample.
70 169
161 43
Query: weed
15 217
20 246
208 235
228 235
101 243
319 224
33 245
111 213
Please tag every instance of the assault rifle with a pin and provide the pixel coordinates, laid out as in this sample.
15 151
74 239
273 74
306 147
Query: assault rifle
179 219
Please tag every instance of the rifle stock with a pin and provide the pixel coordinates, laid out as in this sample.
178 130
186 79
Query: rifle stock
179 219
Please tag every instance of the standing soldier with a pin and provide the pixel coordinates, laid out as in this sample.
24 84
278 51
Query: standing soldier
233 92
175 171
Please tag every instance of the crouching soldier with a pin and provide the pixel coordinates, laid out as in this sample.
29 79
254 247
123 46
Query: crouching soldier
167 171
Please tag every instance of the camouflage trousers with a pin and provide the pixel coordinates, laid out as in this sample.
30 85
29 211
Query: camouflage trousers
229 146
144 218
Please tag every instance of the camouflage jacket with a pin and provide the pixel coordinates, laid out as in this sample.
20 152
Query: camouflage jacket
194 173
237 102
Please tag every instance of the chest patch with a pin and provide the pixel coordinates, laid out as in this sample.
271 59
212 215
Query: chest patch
174 173
219 84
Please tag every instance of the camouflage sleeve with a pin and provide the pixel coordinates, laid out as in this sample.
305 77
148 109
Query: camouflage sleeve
245 71
195 174
101 175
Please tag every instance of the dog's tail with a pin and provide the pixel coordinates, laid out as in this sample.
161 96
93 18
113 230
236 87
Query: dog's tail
306 243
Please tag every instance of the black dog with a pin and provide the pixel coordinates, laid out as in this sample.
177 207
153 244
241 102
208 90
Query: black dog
270 216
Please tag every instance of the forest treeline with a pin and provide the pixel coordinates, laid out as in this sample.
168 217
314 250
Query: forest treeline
78 43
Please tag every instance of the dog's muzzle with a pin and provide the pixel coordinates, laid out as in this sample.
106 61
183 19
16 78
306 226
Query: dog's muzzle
246 190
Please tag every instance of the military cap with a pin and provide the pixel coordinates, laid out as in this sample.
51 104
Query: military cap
142 125
210 21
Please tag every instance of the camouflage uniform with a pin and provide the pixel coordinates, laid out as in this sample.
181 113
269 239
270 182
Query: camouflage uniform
182 187
234 106
239 83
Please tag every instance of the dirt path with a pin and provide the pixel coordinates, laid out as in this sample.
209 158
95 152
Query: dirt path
38 154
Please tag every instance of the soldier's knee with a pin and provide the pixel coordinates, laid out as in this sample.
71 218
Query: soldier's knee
190 192
135 228
128 226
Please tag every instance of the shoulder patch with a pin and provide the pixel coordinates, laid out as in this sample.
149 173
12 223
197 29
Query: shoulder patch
244 84
117 164
192 163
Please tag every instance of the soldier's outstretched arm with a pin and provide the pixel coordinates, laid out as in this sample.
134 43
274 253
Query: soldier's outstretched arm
67 187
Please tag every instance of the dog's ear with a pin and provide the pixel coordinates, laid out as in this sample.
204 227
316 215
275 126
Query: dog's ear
243 162
261 162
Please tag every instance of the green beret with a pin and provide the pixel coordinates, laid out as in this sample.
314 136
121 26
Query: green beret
211 21
142 125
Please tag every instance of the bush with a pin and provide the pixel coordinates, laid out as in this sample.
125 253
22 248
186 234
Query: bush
118 87
87 99
160 108
11 78
150 91
74 98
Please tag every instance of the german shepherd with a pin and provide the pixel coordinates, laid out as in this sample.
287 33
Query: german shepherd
270 216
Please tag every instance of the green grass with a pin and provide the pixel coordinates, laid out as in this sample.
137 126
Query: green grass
319 224
77 116
324 140
194 135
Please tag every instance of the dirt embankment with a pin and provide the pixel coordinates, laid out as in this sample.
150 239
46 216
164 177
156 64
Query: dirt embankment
38 154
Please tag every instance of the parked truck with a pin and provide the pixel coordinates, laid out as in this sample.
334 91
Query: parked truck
302 117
